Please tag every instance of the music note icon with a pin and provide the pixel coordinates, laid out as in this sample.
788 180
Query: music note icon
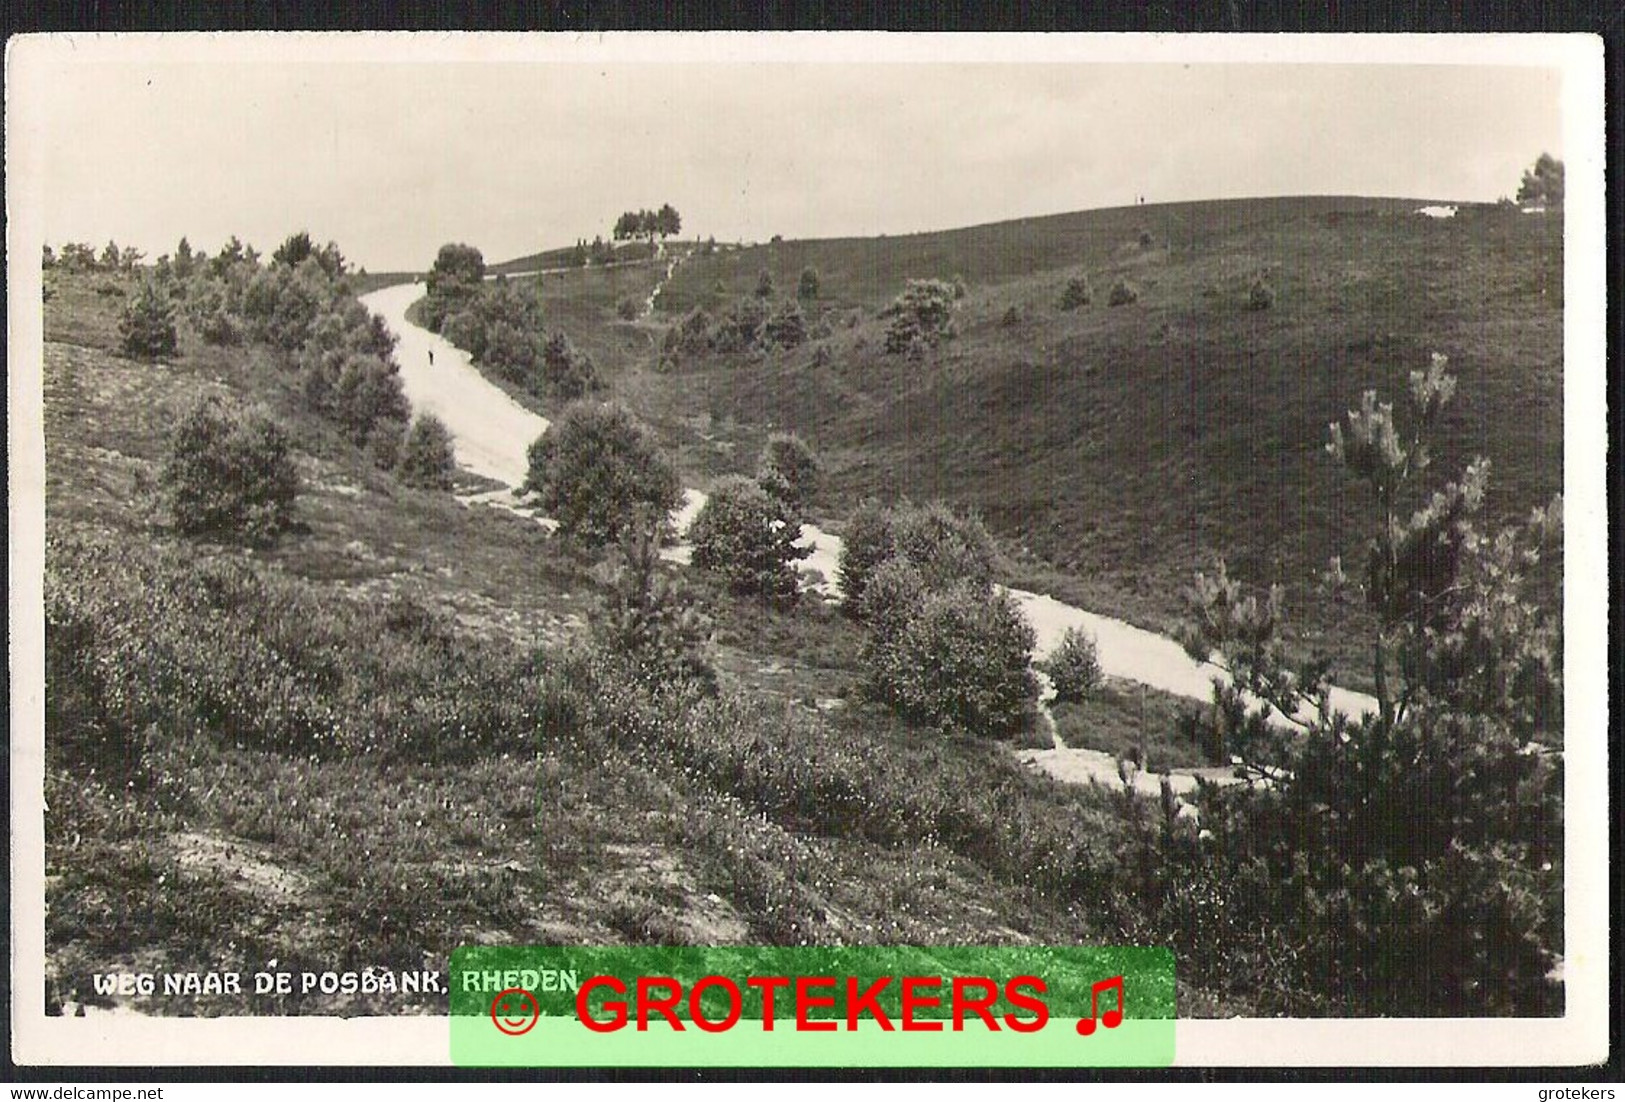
1112 1018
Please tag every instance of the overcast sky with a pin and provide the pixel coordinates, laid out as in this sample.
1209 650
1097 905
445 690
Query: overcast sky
394 158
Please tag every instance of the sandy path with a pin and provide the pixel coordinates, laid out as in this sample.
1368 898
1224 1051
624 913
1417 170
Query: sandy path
492 432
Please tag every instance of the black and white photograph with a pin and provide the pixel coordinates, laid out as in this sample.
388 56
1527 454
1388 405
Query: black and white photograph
807 491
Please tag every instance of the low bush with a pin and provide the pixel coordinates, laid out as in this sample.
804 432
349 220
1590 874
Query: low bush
959 661
145 643
229 475
1077 293
746 536
1260 296
426 459
596 468
788 470
1074 667
147 325
1123 293
921 317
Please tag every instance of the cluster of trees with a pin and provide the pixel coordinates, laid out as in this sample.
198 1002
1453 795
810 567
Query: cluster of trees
76 256
229 472
648 224
945 647
758 322
499 324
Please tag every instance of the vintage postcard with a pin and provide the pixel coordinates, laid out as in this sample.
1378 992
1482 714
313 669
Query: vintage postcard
1020 551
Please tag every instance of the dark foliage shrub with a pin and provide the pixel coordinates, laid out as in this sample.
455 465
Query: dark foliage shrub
426 458
229 475
745 535
147 325
785 327
921 317
1074 667
596 468
1123 293
959 662
788 471
1077 293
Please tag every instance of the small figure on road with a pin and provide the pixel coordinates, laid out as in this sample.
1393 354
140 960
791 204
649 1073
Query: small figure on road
431 357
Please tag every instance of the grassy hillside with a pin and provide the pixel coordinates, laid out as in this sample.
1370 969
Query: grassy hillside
1117 449
381 737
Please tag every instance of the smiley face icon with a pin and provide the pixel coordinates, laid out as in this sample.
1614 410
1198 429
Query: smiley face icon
514 1011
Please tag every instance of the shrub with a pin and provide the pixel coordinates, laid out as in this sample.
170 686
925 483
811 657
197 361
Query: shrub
566 372
765 288
1260 296
363 396
741 329
229 475
595 467
786 328
281 304
209 312
959 662
1012 317
693 334
890 597
1146 240
946 548
629 309
1123 292
788 470
426 458
147 326
808 286
465 328
455 279
744 535
1077 293
922 316
1074 667
510 351
866 545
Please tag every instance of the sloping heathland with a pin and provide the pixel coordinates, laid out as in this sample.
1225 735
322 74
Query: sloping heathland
1117 449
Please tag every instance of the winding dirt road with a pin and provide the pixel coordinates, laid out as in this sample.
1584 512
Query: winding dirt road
491 433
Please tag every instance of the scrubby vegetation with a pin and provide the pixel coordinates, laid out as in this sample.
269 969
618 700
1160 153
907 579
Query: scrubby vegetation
379 722
1074 667
148 324
1077 293
596 468
1123 293
1412 857
747 536
921 317
229 475
426 458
